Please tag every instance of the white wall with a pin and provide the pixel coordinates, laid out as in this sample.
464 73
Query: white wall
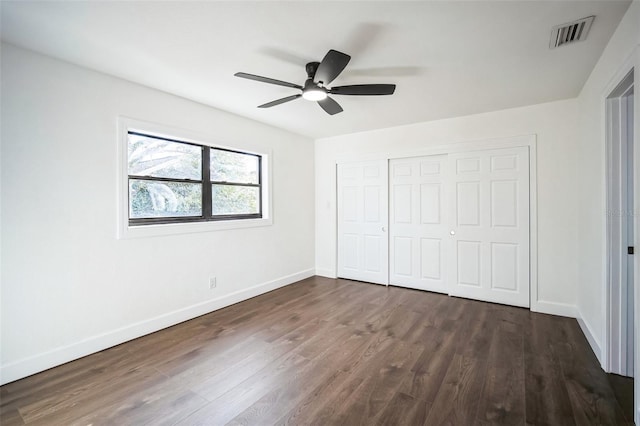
554 124
617 57
69 287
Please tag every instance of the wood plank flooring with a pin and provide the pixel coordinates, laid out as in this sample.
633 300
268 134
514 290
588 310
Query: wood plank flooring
328 352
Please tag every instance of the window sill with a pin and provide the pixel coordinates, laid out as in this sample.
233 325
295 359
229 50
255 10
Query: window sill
145 231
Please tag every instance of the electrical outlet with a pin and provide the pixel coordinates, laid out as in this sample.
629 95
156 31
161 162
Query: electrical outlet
212 282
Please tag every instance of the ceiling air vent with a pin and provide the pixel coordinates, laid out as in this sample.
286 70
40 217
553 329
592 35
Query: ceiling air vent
570 32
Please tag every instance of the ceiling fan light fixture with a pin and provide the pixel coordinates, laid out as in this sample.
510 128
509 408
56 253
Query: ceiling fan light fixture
314 94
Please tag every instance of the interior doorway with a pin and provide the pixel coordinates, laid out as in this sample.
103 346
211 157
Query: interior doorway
620 244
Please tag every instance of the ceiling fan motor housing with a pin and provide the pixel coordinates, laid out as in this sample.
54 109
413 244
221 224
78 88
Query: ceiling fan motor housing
313 91
312 85
311 69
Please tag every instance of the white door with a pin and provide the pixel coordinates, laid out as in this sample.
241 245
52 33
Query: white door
363 246
489 235
418 230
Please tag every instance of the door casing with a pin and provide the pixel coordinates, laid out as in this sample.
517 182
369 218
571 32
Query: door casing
619 221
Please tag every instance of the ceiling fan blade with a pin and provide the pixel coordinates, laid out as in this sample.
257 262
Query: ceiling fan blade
330 106
331 66
279 101
364 89
267 80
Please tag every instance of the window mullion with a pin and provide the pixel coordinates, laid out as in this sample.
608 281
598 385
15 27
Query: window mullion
206 182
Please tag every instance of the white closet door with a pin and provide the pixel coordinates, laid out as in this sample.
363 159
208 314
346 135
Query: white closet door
363 246
489 236
418 231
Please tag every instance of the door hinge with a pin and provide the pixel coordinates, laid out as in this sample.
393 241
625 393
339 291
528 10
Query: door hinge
630 250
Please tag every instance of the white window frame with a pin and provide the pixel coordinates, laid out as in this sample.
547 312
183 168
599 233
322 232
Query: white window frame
125 231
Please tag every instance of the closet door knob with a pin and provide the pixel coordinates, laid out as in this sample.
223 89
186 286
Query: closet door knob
453 232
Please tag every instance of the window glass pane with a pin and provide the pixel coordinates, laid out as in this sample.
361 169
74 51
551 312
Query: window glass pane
230 199
233 167
159 158
164 199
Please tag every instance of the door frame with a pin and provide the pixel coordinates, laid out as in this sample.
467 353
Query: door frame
529 141
617 261
631 63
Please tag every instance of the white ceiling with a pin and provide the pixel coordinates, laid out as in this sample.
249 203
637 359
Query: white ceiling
448 58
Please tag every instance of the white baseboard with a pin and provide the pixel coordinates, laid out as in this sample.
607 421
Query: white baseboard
572 311
328 273
555 308
40 362
591 338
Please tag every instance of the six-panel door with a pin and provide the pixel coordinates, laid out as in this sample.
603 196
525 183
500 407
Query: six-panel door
489 221
363 247
418 239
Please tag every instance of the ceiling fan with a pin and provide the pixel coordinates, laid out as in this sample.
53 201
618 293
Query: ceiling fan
316 88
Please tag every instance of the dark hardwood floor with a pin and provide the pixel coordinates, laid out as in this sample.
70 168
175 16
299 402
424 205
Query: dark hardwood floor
327 352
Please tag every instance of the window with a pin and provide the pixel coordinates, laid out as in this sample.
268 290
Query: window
178 181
